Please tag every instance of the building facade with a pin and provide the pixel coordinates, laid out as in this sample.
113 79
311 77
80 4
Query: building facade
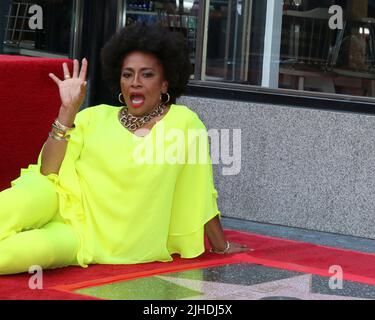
296 78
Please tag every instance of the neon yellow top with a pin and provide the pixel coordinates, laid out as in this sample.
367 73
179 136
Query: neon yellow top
126 211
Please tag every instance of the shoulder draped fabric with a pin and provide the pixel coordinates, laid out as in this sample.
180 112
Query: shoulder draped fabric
125 202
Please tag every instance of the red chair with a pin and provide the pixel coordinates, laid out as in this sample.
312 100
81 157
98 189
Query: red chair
29 102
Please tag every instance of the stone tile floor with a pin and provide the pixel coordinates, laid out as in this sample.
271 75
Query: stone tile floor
246 281
231 282
316 237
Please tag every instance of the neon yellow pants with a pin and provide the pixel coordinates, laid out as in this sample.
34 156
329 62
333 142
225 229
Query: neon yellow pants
31 229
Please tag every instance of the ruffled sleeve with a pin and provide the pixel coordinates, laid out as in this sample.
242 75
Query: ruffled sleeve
66 181
195 196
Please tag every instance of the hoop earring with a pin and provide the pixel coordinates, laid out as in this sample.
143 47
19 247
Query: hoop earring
169 98
119 98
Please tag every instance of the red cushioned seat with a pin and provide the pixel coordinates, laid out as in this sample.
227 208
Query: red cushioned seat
29 102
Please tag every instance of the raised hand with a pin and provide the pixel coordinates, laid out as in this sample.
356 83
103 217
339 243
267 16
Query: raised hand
73 88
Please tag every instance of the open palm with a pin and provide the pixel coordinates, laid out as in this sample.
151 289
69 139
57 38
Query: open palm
73 88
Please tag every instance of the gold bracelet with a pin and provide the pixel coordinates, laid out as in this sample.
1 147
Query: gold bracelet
61 127
221 251
54 136
59 132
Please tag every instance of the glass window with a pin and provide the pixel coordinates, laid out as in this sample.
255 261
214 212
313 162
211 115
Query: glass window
307 45
177 15
38 27
234 52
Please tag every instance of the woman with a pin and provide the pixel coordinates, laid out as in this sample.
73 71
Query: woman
90 199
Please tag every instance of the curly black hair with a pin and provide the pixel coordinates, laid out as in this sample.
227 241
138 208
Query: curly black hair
170 48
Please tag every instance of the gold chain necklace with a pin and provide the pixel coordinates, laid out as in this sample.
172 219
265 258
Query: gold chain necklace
133 122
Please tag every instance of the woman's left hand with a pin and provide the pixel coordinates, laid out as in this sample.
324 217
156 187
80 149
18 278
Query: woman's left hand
233 247
237 247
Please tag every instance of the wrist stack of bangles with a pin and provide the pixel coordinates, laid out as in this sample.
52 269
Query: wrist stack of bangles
60 132
222 251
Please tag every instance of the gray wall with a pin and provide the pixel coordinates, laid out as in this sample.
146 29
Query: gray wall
300 167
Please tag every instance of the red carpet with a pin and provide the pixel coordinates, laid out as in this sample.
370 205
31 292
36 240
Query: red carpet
272 252
29 102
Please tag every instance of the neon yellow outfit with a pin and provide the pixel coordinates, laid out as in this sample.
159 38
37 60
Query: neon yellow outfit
105 206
